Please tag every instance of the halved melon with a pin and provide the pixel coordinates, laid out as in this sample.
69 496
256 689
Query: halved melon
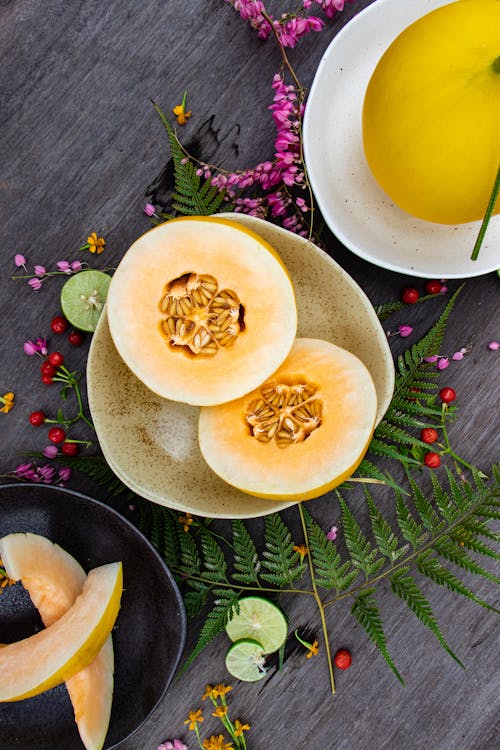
51 656
301 433
202 310
54 579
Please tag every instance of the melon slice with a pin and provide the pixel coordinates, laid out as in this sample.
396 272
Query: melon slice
301 433
54 579
202 310
51 656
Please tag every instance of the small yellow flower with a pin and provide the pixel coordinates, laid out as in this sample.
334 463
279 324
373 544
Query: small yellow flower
239 728
301 549
222 689
313 650
186 521
220 712
194 718
217 743
180 111
94 244
8 402
210 692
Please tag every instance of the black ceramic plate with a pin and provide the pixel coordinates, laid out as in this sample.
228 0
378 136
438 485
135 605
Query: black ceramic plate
150 630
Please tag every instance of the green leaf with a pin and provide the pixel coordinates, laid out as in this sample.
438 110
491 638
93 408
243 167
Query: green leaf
194 601
404 586
363 555
430 567
279 558
190 561
366 612
387 541
246 559
329 570
451 550
425 509
412 531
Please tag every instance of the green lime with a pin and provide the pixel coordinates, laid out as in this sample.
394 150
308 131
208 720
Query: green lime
245 660
261 620
83 297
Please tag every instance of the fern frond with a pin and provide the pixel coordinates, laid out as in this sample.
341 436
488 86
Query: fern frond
366 612
190 561
329 570
426 510
404 586
214 562
246 559
215 622
363 555
170 541
368 470
411 530
430 567
191 196
387 541
475 545
452 551
194 601
279 558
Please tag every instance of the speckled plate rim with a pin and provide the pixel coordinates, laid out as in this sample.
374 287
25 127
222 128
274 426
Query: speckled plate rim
354 207
126 470
5 489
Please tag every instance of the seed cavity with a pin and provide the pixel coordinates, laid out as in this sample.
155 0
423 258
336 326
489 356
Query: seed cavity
284 413
200 318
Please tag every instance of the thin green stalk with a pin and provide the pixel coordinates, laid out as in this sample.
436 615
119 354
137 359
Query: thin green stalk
238 585
487 216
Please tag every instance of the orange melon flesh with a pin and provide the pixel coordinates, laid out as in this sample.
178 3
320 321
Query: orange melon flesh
54 579
241 263
300 434
51 656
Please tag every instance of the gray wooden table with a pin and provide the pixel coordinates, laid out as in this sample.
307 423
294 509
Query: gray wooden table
80 148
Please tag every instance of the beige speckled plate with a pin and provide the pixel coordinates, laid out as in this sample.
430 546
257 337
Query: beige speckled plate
151 443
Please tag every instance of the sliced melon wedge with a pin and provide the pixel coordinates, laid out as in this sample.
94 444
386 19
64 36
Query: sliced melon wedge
54 579
301 433
51 656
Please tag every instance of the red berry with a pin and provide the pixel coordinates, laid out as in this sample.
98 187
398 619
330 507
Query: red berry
59 324
76 338
433 287
432 460
47 379
342 659
56 359
57 435
48 369
410 295
447 395
429 435
69 449
37 418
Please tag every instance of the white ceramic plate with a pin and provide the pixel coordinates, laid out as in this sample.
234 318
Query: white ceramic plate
355 208
152 444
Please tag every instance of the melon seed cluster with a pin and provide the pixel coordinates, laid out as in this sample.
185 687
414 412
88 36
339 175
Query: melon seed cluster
200 318
286 413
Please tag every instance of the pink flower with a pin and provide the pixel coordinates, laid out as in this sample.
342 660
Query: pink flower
493 345
64 474
20 261
76 265
30 348
41 345
50 451
172 745
332 534
40 270
443 363
35 284
149 209
433 358
63 266
405 331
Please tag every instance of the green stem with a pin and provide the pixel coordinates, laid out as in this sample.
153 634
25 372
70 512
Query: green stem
318 600
238 585
489 211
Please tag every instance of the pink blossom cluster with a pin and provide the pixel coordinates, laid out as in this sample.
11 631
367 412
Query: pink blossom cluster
289 29
39 346
329 7
42 474
40 273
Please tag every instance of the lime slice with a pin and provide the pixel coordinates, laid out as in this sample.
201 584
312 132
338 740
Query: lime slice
261 620
83 297
245 660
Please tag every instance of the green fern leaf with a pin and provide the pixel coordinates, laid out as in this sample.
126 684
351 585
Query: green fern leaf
449 509
194 601
411 530
387 541
404 586
170 542
329 571
363 555
366 612
381 448
281 562
190 561
452 551
426 510
215 622
214 562
368 470
475 545
475 527
430 567
246 559
190 197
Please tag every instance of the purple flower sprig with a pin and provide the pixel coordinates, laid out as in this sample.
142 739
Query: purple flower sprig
40 273
44 474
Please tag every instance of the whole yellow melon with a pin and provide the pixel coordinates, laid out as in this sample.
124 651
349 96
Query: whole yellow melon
431 113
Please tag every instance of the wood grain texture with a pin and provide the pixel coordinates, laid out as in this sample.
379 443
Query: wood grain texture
80 149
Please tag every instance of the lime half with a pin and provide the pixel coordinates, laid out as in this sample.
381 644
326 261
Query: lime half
261 620
245 660
83 297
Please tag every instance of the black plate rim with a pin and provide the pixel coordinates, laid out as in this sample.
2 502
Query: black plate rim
122 519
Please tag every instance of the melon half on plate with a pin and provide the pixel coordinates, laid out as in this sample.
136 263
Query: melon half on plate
54 580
